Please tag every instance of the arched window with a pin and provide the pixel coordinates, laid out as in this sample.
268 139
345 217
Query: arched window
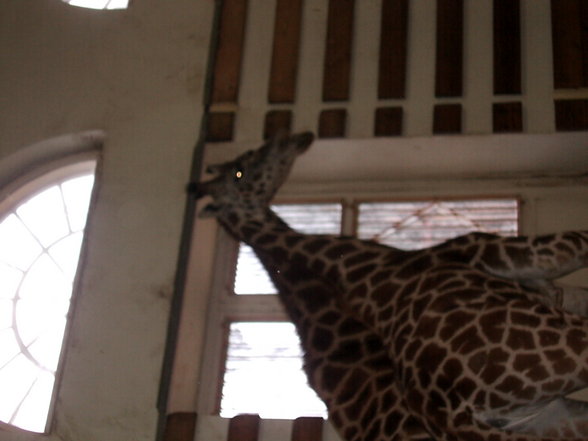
41 231
99 4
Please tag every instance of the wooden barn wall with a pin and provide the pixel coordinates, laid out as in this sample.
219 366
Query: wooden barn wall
350 69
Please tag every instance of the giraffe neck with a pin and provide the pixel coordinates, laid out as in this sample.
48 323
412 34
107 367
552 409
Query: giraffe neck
342 357
248 227
339 261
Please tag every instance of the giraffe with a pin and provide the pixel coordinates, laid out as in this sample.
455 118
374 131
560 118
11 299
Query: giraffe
348 373
459 266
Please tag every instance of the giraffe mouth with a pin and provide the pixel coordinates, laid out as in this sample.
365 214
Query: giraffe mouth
195 189
198 189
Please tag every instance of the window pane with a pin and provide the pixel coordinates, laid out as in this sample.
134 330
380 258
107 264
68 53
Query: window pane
250 277
18 248
39 250
99 4
264 373
421 224
76 195
52 225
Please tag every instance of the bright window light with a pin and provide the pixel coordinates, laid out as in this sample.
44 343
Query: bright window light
99 4
40 242
412 225
251 277
260 356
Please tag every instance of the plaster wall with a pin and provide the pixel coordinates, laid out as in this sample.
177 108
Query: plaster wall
136 75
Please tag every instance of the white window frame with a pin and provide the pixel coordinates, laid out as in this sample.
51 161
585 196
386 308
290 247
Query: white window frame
40 176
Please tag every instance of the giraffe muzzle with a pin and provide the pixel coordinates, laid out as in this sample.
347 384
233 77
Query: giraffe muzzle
197 189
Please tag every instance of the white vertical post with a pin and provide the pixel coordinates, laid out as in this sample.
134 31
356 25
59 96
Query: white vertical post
310 67
364 73
537 66
418 118
478 67
255 70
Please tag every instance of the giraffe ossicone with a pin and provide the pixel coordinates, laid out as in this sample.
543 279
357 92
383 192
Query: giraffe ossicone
456 342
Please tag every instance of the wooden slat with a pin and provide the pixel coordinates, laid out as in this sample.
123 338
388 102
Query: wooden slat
571 115
277 121
337 64
507 47
507 117
244 428
227 68
286 48
332 123
449 57
569 43
393 43
447 119
388 121
220 127
180 427
307 429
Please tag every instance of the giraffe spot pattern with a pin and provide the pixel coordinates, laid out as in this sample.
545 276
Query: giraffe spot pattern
360 258
414 267
361 272
478 361
492 325
338 251
562 364
452 323
466 341
322 339
292 241
514 386
350 387
525 319
347 352
491 256
316 245
520 339
519 256
526 363
496 366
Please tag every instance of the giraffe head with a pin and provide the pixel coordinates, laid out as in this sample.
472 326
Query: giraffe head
247 184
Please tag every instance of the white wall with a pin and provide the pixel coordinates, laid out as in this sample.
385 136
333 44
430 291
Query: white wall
137 75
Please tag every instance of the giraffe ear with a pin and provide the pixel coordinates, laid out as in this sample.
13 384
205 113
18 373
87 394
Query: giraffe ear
211 210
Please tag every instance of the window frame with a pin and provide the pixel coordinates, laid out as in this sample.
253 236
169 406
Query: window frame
35 179
226 307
